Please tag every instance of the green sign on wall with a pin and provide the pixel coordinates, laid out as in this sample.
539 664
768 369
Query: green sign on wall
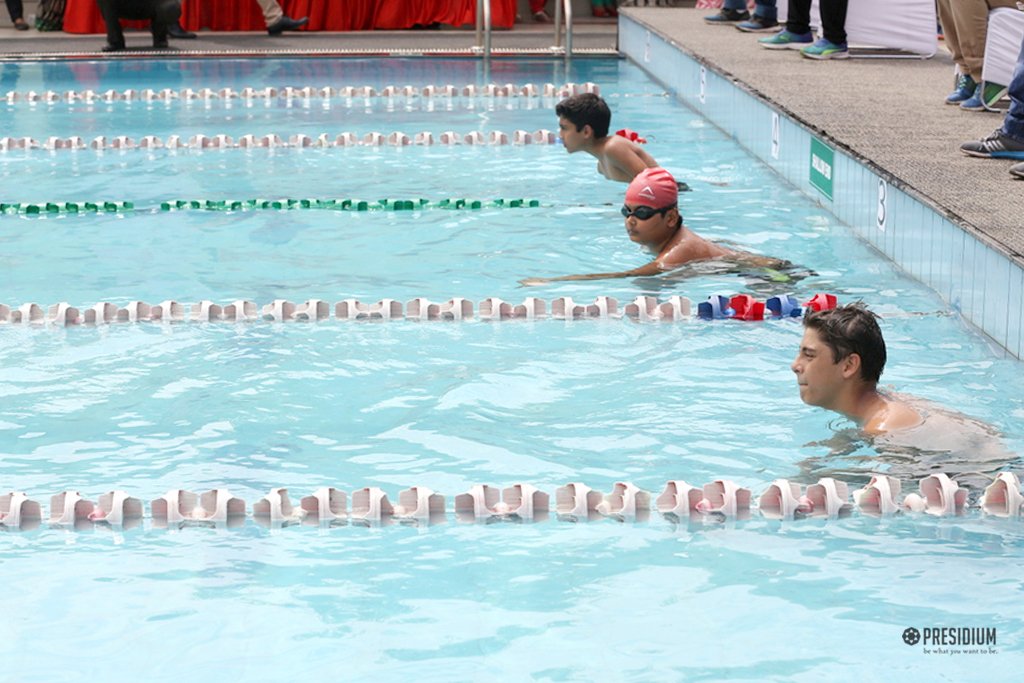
821 167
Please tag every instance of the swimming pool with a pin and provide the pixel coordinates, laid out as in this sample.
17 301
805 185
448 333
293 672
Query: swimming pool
146 408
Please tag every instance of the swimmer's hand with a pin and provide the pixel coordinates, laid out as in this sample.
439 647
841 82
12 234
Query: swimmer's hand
534 281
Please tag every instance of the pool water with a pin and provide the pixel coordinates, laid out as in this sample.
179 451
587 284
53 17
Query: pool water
149 407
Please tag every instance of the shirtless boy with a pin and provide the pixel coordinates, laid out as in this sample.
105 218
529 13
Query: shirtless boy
583 122
841 357
652 220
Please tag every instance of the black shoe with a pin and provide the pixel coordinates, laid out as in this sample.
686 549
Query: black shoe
160 44
286 23
176 31
21 25
112 47
995 146
728 16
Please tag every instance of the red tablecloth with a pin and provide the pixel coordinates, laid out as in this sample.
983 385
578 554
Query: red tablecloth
83 16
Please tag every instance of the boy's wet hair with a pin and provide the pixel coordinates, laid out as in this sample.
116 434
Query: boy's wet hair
586 109
851 329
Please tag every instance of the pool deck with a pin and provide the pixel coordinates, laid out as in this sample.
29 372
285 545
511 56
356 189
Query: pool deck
888 111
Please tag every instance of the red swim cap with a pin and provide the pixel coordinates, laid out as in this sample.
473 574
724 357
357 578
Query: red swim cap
653 187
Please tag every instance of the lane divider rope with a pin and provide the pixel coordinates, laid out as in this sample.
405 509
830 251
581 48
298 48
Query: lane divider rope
50 208
298 141
938 495
642 308
290 93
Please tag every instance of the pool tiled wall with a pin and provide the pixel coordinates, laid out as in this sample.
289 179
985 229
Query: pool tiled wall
980 282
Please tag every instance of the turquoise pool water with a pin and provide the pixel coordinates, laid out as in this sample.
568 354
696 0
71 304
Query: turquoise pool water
150 407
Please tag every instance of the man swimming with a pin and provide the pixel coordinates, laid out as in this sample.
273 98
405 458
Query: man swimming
841 358
652 220
583 122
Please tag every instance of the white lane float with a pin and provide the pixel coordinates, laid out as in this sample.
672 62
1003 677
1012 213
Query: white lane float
279 310
523 501
116 508
679 498
782 500
370 504
353 309
626 501
419 503
312 310
16 508
63 314
179 506
827 498
241 310
326 504
576 500
938 495
879 496
1002 498
724 497
276 507
68 508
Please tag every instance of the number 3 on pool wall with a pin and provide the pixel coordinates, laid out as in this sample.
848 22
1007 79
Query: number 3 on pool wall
883 195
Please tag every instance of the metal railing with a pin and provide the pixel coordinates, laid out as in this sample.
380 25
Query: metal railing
483 26
567 4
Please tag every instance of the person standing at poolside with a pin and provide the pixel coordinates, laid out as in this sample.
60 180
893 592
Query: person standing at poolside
1007 141
16 10
583 122
652 220
276 20
798 34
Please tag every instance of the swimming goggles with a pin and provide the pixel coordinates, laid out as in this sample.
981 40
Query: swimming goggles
642 213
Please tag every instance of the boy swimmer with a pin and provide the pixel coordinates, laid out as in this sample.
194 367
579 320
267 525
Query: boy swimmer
840 361
583 122
652 220
841 357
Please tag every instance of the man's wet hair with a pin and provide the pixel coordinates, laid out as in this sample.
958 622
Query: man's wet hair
851 329
586 109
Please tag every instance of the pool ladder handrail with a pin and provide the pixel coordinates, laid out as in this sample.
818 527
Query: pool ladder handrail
557 47
483 26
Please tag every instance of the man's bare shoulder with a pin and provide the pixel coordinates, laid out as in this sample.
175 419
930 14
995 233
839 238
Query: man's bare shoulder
896 414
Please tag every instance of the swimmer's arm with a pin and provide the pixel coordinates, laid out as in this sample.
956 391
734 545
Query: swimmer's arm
652 268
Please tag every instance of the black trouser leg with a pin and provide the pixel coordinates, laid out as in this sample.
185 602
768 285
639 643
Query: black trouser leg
799 18
833 20
166 13
112 18
15 9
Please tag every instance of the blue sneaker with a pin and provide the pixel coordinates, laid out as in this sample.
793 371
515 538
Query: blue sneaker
974 102
965 86
728 16
757 24
825 49
784 40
